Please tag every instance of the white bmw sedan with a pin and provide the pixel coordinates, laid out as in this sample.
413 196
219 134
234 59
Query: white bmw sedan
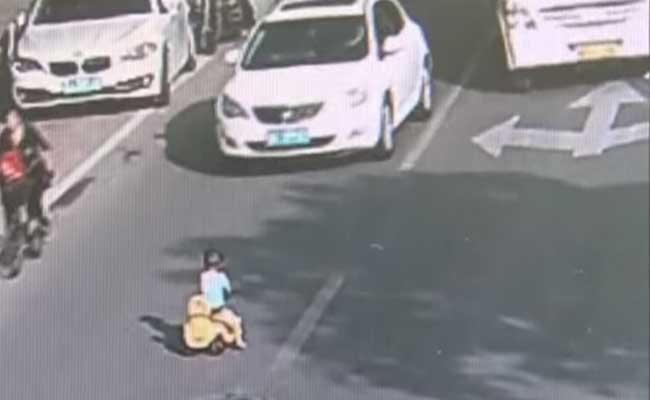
324 76
72 51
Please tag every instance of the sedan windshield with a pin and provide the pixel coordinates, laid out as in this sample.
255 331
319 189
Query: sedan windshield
311 41
60 11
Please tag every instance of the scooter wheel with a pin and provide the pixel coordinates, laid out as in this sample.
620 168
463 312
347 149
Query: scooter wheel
8 273
10 264
35 246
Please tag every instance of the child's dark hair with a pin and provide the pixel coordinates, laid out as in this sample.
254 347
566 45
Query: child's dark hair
213 258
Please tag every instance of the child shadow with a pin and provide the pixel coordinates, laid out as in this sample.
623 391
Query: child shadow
170 336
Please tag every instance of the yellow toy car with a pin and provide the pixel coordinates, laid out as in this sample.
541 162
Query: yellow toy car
208 331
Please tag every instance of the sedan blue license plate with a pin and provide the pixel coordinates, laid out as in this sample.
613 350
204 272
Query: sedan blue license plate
82 85
288 137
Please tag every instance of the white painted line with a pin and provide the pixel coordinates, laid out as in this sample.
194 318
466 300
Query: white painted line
306 325
82 169
441 112
519 323
112 142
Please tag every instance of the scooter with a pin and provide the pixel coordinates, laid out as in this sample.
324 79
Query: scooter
208 332
25 238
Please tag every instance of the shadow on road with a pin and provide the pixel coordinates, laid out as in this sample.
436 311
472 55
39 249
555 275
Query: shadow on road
73 194
190 143
98 108
170 336
490 286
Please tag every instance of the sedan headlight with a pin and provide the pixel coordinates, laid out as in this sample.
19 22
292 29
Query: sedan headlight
24 65
357 96
140 52
231 108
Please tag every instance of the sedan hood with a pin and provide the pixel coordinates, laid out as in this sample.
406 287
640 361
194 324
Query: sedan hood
104 37
296 85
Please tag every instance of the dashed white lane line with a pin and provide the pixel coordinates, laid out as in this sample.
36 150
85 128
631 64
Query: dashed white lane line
82 169
303 330
292 346
447 104
113 141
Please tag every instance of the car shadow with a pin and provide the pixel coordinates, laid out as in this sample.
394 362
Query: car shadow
94 108
190 143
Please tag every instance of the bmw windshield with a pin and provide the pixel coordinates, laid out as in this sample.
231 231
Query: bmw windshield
307 42
60 11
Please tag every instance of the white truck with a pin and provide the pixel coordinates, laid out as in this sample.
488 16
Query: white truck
544 33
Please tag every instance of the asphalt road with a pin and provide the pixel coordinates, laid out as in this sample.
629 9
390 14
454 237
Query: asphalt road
455 276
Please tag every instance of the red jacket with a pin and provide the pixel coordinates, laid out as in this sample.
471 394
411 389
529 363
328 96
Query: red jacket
12 166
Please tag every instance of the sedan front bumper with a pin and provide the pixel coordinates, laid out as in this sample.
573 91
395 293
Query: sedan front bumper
332 131
123 80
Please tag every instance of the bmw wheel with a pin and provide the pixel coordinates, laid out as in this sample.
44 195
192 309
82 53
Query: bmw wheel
190 64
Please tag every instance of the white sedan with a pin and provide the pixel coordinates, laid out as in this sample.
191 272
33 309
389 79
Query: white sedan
324 76
72 51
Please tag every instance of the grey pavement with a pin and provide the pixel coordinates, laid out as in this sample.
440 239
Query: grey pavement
468 277
9 8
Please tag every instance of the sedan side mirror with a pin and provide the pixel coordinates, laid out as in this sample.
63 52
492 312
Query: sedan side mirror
232 56
391 46
172 5
21 19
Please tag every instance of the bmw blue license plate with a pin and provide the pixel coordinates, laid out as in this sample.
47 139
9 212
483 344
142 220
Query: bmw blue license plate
82 85
288 137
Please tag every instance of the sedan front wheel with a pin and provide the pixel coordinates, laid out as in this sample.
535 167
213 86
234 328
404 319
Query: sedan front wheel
386 144
163 97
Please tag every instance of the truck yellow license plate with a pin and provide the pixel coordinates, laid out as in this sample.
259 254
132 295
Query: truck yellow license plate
596 52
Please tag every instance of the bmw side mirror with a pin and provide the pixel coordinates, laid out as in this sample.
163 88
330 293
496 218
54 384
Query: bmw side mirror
232 56
171 6
21 19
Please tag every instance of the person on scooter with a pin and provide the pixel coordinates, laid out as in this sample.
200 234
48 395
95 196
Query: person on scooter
217 289
32 146
15 184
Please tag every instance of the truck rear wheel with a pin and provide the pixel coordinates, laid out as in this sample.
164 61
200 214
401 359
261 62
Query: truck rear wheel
521 81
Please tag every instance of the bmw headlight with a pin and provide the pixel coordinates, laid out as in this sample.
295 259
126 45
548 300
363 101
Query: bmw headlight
231 108
140 52
357 96
24 65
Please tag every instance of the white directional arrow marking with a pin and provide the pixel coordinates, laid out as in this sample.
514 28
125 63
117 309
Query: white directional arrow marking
629 135
604 103
597 134
506 134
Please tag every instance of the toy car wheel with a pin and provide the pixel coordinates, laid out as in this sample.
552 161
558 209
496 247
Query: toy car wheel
217 347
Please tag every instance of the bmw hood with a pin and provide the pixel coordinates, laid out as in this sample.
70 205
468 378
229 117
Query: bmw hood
296 85
67 40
